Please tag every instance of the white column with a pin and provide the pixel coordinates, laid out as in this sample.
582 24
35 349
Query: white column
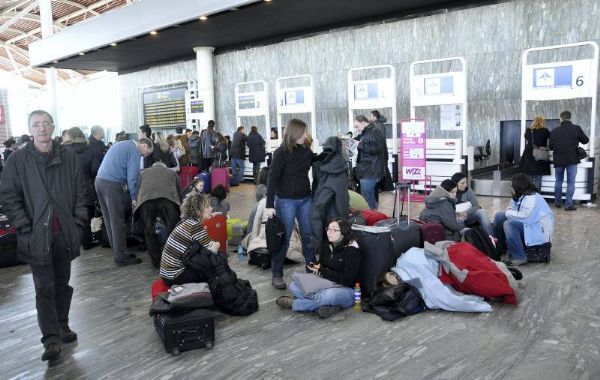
47 31
206 87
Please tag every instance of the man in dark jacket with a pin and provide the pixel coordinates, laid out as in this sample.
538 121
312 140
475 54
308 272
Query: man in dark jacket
564 141
256 151
96 144
208 142
44 197
238 155
159 192
371 159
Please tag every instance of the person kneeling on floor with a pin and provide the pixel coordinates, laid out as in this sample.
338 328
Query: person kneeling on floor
194 211
528 221
340 263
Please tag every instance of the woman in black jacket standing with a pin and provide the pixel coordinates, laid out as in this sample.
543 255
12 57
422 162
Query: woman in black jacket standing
289 194
340 263
256 151
536 135
89 163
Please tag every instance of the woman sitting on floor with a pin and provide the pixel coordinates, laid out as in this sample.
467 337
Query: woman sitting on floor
340 263
475 214
440 207
528 221
194 211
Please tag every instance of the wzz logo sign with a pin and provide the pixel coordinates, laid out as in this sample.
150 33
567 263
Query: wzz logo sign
412 171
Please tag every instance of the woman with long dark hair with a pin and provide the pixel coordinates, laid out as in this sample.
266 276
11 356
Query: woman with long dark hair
528 221
289 194
340 263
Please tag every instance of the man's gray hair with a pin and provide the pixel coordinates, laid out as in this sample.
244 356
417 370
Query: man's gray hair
146 141
39 112
97 129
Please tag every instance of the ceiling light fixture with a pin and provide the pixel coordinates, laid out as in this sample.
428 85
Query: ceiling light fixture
203 18
113 44
81 53
154 32
267 1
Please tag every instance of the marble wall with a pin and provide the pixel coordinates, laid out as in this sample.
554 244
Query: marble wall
491 39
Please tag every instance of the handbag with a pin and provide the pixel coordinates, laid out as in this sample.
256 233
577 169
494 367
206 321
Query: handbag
310 283
540 153
581 153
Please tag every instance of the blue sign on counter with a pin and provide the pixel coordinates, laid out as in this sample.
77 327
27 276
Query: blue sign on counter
553 77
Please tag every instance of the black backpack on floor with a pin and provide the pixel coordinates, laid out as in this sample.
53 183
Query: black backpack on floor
478 238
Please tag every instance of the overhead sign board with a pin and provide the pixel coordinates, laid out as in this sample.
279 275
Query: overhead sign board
251 104
294 100
372 93
437 89
558 80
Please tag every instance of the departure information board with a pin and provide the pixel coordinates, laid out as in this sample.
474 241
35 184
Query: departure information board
165 107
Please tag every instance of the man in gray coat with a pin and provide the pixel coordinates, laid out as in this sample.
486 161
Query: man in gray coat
159 192
44 197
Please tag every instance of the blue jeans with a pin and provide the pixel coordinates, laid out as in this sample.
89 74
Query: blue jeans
288 210
367 189
481 217
342 297
559 173
510 236
537 179
237 168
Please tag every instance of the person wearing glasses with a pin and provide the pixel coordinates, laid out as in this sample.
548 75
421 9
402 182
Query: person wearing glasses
44 197
340 263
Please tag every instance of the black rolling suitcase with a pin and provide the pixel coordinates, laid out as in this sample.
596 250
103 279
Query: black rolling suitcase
538 253
186 331
8 244
377 254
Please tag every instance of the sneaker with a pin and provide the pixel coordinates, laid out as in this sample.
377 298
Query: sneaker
51 352
67 335
557 205
278 283
516 263
129 260
284 302
327 311
571 208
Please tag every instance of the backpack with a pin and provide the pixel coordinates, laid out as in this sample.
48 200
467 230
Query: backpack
396 301
275 234
478 238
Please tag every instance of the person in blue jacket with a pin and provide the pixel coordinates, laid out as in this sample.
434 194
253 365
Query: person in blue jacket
528 220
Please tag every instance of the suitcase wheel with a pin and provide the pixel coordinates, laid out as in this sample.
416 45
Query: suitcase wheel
175 351
209 345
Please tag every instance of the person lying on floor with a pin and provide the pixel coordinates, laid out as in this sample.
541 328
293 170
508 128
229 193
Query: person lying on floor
340 263
194 211
527 221
475 214
440 207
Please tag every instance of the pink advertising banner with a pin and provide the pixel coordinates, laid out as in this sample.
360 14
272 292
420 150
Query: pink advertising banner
412 150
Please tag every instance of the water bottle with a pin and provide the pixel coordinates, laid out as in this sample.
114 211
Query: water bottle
357 296
240 252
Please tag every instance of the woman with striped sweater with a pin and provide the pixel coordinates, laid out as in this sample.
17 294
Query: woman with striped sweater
194 211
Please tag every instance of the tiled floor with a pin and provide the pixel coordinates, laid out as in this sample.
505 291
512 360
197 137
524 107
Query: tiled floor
554 332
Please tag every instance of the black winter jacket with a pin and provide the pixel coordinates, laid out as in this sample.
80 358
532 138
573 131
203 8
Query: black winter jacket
230 294
27 204
340 264
256 148
380 126
564 141
98 147
528 164
89 162
238 145
288 176
371 154
331 197
157 155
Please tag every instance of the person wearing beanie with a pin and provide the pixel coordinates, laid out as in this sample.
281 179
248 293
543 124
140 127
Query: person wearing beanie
440 207
474 215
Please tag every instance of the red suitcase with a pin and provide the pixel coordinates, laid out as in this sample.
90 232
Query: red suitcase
187 174
216 227
219 176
